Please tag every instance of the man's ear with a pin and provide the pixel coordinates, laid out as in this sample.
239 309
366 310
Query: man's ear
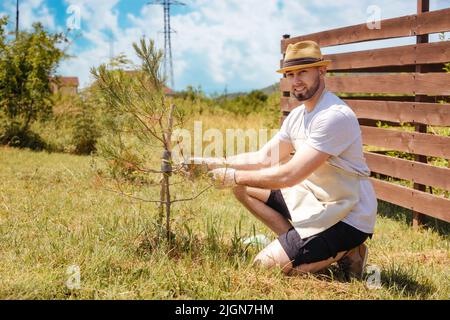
322 71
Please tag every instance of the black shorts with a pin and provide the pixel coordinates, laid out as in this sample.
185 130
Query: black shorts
324 245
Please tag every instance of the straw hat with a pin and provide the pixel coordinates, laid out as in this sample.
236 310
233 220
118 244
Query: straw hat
302 55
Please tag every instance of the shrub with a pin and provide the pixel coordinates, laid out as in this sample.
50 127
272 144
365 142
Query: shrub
255 101
26 65
85 133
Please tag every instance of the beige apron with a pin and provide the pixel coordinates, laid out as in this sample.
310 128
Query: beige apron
323 199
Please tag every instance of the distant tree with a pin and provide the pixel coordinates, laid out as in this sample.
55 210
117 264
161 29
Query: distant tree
254 101
26 65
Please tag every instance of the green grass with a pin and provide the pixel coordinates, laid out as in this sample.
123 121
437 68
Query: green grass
53 214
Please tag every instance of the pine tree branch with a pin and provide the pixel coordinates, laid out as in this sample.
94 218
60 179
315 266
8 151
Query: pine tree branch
122 193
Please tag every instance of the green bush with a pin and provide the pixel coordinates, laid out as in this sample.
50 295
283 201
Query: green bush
26 64
85 133
255 101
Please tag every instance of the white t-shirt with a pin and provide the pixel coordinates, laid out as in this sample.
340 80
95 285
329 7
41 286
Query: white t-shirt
332 127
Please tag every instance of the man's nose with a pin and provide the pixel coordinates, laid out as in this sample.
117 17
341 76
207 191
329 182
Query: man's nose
298 79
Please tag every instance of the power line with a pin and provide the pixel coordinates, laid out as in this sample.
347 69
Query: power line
168 64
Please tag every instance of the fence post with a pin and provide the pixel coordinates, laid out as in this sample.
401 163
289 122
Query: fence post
422 6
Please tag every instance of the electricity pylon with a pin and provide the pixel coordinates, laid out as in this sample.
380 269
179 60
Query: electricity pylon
168 64
17 18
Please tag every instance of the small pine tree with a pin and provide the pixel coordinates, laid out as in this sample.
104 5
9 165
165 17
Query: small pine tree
85 132
140 118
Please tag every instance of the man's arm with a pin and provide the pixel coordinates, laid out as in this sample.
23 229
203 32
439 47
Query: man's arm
275 151
305 161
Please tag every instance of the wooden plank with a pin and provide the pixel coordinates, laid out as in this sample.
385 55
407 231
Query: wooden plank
431 67
435 67
289 103
398 98
437 52
412 142
431 205
408 83
427 53
434 114
406 26
284 85
437 84
409 170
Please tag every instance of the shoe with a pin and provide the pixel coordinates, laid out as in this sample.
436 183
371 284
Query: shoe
354 262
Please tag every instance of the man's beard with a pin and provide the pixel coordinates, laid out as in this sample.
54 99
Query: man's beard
309 93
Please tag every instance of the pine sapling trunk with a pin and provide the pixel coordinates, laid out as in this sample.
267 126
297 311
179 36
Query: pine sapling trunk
168 202
162 196
166 169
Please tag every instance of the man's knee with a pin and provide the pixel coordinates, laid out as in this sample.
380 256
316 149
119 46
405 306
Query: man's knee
268 262
273 256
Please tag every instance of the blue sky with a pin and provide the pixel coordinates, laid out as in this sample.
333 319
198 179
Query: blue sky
218 44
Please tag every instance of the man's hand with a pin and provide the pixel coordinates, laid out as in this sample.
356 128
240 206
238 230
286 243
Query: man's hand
223 178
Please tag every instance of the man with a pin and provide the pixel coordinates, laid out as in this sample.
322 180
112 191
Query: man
319 201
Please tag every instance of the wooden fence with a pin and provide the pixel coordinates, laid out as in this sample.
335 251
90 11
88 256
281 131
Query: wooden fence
396 85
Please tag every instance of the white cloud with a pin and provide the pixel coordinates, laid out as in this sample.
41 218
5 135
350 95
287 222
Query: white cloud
220 43
97 15
237 40
30 11
98 22
100 27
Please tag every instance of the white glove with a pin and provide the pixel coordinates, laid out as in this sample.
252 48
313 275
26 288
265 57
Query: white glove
223 178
